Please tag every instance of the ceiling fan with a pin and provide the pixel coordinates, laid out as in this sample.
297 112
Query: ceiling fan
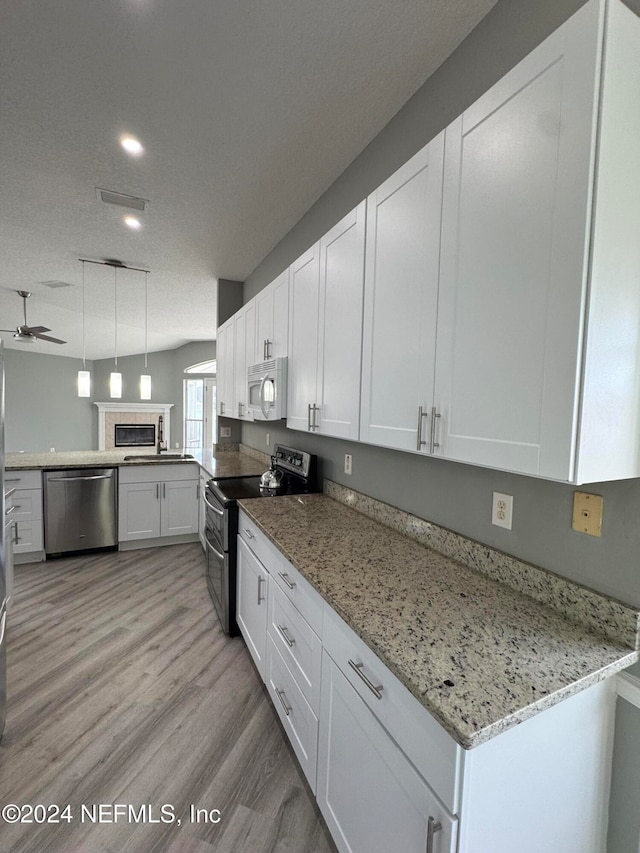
29 334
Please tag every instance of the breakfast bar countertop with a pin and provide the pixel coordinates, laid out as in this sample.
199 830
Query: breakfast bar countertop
480 656
225 463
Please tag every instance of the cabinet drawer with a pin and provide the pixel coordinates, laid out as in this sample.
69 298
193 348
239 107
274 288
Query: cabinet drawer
298 644
29 536
27 503
297 717
23 480
434 753
289 579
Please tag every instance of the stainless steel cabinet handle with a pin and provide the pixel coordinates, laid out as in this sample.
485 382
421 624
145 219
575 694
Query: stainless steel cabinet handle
10 492
432 439
157 491
16 538
248 533
285 577
13 479
309 425
11 509
221 408
280 694
421 414
212 507
375 689
261 580
268 348
264 349
2 626
240 405
164 490
285 635
433 826
316 409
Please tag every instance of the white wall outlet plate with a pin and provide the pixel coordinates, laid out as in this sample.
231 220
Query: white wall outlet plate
225 432
348 462
502 510
268 439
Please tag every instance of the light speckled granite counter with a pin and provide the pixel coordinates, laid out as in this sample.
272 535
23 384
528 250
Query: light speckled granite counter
481 657
228 463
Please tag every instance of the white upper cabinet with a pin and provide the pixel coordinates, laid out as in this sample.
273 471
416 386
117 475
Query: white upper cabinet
272 319
400 303
244 355
304 299
325 335
225 363
537 354
337 400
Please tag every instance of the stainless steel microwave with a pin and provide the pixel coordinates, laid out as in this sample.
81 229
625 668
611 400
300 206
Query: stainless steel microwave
267 390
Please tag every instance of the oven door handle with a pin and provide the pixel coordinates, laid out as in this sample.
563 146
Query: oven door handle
218 554
261 396
212 507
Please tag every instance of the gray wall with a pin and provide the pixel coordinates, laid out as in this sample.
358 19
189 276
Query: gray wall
42 407
166 369
43 410
459 496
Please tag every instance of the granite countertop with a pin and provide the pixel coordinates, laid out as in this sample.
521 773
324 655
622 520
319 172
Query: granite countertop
227 463
478 655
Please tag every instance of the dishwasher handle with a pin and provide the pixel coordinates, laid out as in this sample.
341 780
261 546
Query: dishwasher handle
71 479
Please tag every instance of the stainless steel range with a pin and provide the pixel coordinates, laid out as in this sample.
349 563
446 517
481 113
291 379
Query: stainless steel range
296 473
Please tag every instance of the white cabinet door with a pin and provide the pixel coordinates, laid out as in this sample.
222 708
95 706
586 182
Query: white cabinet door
272 319
244 324
401 300
370 795
225 355
179 508
304 295
340 327
513 268
138 511
252 604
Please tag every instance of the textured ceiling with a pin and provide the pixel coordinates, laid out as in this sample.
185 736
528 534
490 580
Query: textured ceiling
248 110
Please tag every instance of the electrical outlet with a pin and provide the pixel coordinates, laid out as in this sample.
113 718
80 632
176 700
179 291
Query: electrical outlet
268 439
52 450
502 510
177 444
225 432
348 460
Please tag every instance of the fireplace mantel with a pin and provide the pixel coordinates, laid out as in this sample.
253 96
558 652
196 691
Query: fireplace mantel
122 407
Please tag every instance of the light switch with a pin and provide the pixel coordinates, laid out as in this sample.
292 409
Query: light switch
587 513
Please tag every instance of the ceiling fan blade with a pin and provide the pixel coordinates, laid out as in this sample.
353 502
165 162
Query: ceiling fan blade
35 330
47 338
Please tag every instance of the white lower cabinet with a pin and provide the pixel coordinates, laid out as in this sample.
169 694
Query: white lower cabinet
253 586
386 775
24 507
372 798
154 508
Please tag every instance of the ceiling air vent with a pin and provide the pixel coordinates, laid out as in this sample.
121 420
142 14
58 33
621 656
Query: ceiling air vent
122 200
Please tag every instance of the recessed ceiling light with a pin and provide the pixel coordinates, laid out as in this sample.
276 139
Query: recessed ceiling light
131 145
133 222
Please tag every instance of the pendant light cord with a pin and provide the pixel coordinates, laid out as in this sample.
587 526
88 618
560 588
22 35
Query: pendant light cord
146 316
115 311
84 336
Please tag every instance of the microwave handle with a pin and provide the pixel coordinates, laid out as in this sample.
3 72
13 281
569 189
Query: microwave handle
261 395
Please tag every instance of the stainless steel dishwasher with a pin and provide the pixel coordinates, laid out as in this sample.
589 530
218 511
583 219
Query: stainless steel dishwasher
80 510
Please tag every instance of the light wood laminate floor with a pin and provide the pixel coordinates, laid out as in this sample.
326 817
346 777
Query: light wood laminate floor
123 689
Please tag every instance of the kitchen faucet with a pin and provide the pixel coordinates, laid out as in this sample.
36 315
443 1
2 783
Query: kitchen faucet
160 446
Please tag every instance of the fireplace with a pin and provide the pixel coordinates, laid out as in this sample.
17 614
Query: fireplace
121 414
134 435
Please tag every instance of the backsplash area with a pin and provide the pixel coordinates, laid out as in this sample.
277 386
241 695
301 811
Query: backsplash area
617 621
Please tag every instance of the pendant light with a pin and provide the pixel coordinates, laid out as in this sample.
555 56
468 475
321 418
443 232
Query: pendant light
145 378
115 380
84 376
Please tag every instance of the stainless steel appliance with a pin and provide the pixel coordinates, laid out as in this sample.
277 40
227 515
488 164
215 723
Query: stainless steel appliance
80 510
3 583
296 473
267 390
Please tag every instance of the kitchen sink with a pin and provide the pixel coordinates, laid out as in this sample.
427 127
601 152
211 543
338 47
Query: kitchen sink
154 457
